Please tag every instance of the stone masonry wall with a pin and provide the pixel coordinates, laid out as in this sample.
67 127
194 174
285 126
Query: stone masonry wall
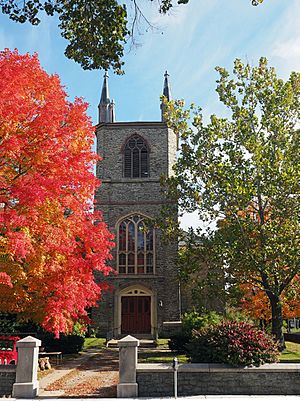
7 379
111 138
118 197
200 379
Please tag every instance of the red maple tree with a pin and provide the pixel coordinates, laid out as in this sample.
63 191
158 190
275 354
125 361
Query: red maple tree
51 240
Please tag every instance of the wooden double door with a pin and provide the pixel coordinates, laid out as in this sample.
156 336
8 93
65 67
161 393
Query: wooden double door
136 315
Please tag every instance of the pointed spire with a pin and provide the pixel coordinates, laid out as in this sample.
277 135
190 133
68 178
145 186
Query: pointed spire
166 93
105 92
106 107
167 89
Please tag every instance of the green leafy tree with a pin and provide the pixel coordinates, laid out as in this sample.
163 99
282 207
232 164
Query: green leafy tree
243 174
97 30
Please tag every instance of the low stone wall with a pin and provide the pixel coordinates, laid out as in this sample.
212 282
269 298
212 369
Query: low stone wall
7 379
156 380
170 328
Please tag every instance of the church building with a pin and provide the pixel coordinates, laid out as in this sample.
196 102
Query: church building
144 298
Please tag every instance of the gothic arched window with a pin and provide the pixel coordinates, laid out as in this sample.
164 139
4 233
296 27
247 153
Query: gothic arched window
136 158
135 246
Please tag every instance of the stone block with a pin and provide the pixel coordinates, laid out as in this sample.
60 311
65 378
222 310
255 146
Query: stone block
26 390
127 390
26 385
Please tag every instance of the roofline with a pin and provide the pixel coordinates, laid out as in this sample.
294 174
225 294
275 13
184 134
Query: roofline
146 124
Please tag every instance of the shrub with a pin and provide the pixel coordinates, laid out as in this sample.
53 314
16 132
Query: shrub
178 342
235 343
191 321
237 315
67 344
196 321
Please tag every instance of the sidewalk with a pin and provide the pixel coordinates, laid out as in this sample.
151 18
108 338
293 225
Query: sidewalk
199 397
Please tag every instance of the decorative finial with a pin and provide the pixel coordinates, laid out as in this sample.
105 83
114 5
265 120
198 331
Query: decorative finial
106 107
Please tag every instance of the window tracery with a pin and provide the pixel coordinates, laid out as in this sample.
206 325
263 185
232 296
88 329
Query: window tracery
136 158
135 246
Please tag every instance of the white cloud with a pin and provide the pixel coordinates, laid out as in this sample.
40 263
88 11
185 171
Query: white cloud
288 53
286 48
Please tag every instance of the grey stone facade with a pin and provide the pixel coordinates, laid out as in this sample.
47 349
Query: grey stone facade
7 379
119 197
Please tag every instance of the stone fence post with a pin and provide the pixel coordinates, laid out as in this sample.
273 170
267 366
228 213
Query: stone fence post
127 367
27 385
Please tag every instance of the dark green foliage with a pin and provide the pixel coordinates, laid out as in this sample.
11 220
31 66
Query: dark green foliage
97 30
178 342
192 321
67 344
234 343
196 321
9 324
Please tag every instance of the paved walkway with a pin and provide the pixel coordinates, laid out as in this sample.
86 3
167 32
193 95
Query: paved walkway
94 373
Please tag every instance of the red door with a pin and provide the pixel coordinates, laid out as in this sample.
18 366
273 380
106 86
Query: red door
136 315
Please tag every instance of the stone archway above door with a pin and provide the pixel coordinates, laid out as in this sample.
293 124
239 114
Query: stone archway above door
136 292
136 310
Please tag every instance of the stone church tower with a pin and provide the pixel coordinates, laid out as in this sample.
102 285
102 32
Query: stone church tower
144 296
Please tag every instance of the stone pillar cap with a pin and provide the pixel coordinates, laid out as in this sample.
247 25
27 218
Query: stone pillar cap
129 341
29 342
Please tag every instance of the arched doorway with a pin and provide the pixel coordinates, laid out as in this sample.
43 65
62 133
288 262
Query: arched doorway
136 311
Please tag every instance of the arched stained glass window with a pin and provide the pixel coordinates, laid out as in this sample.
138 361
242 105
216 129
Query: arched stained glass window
136 158
135 246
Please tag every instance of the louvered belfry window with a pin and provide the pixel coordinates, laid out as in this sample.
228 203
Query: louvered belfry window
136 158
135 246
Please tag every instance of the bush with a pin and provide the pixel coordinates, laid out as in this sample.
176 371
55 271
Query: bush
234 343
9 324
191 321
196 321
178 342
67 344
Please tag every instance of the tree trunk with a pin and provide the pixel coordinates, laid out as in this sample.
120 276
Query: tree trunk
277 320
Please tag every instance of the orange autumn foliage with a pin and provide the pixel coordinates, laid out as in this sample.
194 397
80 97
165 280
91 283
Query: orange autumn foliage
256 303
51 240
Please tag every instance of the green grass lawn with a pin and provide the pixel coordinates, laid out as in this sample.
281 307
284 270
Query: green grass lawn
291 353
161 355
162 343
93 342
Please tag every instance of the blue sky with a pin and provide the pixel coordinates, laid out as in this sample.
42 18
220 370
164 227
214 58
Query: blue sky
189 43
